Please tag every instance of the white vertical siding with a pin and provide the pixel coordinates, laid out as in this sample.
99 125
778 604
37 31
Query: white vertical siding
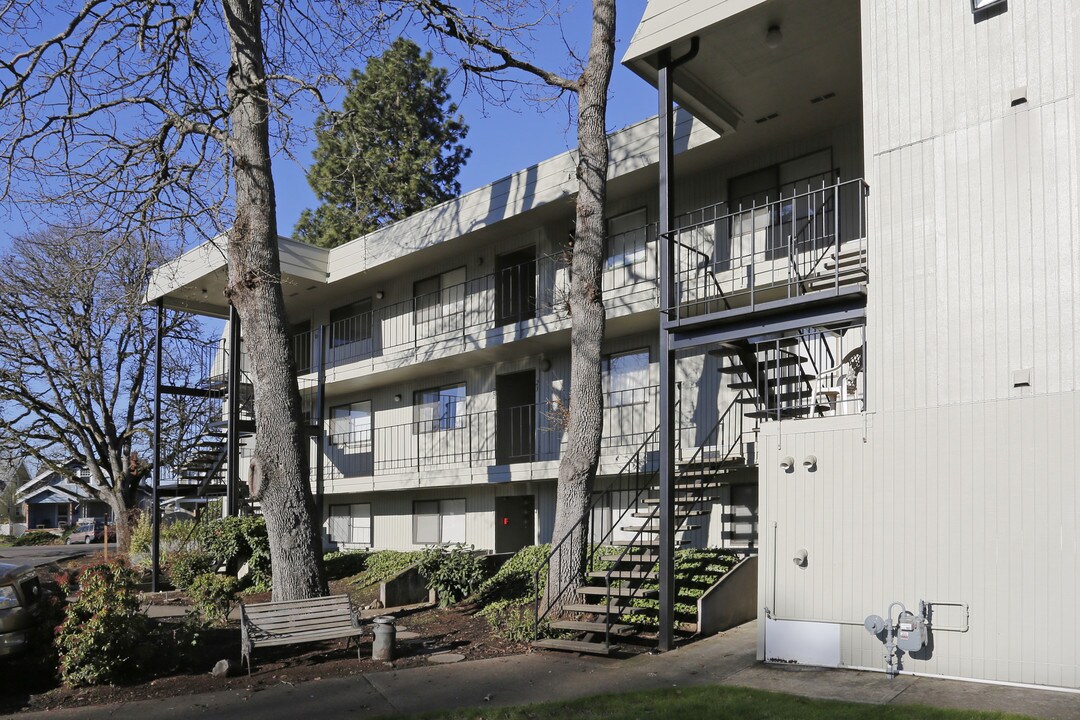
974 206
972 503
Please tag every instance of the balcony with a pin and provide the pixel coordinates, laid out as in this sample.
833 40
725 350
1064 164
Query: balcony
801 248
504 436
517 302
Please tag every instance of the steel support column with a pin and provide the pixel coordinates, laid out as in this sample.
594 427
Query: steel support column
155 544
232 482
665 223
319 422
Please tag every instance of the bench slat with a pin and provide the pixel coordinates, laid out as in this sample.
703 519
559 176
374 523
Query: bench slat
287 604
300 626
290 640
322 616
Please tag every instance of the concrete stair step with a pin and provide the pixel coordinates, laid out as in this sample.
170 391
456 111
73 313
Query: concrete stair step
637 558
612 609
592 627
580 646
621 592
624 574
655 528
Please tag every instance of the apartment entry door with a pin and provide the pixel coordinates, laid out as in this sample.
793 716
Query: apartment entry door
515 417
515 287
515 524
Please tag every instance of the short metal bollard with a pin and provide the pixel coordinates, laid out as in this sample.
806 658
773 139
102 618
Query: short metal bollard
382 648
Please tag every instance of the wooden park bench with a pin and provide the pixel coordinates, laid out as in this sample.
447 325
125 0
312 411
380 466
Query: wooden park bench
297 621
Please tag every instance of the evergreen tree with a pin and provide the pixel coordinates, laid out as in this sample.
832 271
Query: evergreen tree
392 150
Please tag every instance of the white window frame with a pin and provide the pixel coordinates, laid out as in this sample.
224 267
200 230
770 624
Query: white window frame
618 387
357 531
358 430
436 415
450 515
620 227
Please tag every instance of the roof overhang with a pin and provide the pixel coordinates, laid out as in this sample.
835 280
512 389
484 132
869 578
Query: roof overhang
743 75
195 282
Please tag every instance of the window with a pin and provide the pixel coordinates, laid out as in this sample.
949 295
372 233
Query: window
438 522
301 336
626 378
351 524
439 408
438 303
626 239
350 323
803 216
350 427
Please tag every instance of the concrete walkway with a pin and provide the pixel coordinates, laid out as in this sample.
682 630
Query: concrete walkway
727 659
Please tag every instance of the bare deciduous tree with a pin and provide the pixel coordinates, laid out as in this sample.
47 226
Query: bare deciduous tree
166 115
77 347
489 37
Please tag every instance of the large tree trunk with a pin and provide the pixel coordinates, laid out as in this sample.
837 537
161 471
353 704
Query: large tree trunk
254 288
120 527
577 470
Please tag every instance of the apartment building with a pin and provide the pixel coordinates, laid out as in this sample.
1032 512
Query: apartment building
842 292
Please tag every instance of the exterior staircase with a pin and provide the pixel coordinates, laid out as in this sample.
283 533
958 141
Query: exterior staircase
619 572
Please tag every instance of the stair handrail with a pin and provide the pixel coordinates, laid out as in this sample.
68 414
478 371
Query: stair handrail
637 460
636 540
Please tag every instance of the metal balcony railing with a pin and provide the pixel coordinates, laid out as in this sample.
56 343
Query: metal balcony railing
524 433
463 314
812 241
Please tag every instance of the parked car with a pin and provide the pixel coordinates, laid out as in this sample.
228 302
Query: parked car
87 531
20 593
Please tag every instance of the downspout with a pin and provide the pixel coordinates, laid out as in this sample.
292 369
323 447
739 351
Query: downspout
665 222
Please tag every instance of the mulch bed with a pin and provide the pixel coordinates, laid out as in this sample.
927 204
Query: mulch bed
24 686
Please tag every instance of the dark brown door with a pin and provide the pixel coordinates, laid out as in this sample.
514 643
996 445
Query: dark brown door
514 523
515 417
515 286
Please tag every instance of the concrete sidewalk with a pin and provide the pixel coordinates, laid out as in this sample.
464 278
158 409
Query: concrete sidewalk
727 659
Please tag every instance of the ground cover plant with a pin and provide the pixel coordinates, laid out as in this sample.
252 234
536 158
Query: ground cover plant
37 537
715 703
507 600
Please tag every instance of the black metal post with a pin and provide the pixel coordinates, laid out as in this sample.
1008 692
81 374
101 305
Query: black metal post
667 370
155 544
232 483
319 421
668 302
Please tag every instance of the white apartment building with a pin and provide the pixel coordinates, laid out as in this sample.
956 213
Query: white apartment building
843 322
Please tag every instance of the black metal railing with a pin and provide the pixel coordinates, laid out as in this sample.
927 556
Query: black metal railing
722 444
509 435
739 257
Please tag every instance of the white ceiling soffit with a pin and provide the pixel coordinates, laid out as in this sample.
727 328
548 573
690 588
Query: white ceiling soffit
738 74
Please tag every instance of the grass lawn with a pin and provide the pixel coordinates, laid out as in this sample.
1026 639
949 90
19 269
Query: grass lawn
713 703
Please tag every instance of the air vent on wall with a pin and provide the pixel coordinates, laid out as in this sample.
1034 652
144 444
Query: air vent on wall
822 98
767 118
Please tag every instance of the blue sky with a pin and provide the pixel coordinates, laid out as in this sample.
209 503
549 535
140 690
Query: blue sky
507 139
503 139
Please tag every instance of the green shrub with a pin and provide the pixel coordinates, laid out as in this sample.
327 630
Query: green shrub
213 596
184 567
385 564
176 536
233 541
37 537
100 637
345 563
509 596
453 572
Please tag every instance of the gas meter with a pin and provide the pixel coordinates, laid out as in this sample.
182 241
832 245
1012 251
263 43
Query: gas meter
911 632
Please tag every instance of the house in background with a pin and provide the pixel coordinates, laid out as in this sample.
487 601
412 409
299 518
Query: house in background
841 285
52 500
13 475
